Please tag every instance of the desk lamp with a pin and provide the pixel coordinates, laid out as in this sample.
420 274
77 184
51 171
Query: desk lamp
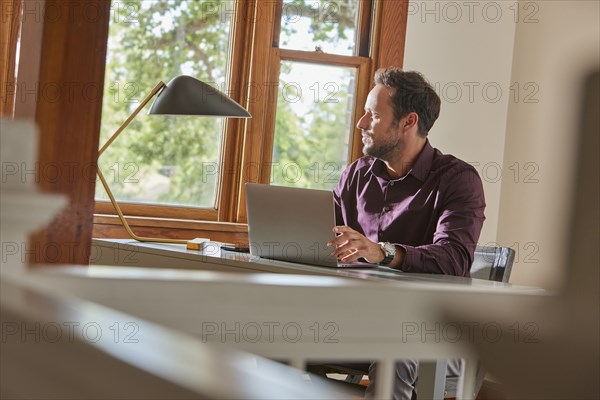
184 95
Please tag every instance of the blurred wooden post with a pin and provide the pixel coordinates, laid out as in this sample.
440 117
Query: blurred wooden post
10 15
66 91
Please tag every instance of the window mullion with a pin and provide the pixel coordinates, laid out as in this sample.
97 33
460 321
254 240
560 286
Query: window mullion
260 82
233 140
271 110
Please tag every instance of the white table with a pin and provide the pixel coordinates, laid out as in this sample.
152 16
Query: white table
54 346
131 253
383 316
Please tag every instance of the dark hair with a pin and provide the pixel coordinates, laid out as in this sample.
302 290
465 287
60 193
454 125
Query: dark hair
412 94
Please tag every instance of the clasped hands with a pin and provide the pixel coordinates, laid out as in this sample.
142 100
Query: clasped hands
351 245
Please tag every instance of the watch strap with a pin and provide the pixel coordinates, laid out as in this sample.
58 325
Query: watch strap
389 252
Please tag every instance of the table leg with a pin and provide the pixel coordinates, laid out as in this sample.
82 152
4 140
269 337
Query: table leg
298 363
432 379
385 379
467 380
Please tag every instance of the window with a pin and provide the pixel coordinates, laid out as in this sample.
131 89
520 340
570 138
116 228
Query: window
313 124
316 95
161 159
327 26
302 68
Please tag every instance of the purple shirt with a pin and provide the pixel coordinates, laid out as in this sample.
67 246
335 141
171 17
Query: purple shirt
434 212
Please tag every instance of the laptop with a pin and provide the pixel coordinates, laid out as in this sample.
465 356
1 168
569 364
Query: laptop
292 224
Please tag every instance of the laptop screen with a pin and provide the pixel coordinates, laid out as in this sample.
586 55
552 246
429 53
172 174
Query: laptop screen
290 224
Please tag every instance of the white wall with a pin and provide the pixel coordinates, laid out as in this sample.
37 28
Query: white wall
556 53
536 52
465 49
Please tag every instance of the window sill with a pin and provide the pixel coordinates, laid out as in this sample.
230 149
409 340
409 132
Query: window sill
109 226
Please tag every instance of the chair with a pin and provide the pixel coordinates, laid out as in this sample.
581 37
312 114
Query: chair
490 263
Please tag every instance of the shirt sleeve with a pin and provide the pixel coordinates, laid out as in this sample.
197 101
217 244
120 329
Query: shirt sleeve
338 193
339 219
457 232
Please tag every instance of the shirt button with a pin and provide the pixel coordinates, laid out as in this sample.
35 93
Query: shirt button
392 183
386 209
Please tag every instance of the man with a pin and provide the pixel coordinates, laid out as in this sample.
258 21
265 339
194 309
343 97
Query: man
405 204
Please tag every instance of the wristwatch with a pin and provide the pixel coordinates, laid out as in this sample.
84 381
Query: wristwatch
389 251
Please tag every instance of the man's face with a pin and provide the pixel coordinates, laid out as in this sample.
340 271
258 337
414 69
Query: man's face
379 132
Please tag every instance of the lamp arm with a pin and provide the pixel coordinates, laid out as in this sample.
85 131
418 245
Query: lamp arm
113 201
124 221
159 86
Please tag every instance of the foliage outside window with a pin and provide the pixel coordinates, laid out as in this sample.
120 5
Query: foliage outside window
162 159
330 26
312 126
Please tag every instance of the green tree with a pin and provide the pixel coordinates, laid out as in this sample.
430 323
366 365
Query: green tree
310 149
159 40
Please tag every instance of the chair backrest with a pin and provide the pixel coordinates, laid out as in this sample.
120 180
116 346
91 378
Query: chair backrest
492 263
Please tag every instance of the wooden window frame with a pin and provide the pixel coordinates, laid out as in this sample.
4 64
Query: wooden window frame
10 14
231 134
247 144
68 131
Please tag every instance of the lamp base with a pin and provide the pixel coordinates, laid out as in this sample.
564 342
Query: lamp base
197 244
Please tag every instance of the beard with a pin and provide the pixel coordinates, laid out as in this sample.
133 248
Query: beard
383 147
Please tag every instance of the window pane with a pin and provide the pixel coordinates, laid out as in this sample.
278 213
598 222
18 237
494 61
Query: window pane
328 25
162 159
313 124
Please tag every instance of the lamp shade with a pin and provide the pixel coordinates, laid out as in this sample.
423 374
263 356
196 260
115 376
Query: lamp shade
185 95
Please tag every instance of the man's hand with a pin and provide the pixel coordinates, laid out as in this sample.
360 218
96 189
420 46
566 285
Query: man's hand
351 245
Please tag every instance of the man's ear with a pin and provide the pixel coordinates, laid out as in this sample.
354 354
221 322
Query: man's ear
409 121
412 119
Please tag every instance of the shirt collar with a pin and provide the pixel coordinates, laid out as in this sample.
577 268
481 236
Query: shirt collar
422 166
420 169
